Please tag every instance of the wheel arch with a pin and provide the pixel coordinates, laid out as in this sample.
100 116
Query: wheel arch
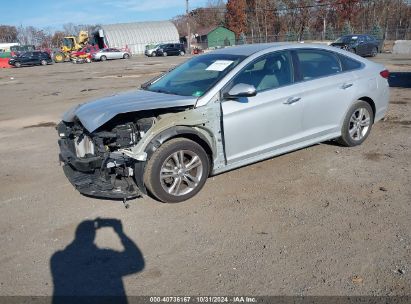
165 136
179 131
370 102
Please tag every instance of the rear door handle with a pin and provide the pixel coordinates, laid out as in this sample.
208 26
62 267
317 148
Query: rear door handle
292 100
346 86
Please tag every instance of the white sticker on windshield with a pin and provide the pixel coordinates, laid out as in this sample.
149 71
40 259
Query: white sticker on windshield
354 37
219 65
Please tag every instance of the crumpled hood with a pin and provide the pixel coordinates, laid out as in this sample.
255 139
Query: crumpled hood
94 114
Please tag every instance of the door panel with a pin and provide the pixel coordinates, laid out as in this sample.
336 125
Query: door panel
325 103
119 54
111 55
362 46
258 124
326 90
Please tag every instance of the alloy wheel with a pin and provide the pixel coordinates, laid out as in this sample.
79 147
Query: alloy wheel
181 172
359 124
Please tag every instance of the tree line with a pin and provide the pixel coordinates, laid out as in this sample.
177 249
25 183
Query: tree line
43 38
274 20
263 21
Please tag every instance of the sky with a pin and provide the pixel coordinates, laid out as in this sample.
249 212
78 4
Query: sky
53 13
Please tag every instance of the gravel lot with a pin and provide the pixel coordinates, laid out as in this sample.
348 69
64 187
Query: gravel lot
324 220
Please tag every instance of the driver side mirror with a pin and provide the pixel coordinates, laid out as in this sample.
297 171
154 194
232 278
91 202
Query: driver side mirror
241 90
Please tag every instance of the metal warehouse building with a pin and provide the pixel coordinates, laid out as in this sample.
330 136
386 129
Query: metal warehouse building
135 35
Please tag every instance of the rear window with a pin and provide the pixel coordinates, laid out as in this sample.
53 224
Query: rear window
317 63
349 64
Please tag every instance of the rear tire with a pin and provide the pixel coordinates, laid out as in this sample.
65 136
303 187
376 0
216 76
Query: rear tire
126 56
177 170
103 58
182 53
357 124
43 62
374 52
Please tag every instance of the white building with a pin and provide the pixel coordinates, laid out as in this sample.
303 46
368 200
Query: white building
136 35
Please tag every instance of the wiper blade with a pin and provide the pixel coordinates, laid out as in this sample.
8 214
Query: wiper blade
164 92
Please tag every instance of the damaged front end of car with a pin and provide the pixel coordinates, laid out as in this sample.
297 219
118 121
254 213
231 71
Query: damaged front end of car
92 161
95 139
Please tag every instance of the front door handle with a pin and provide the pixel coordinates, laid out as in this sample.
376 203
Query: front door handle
292 100
346 86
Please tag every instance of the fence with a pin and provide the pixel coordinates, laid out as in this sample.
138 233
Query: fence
396 34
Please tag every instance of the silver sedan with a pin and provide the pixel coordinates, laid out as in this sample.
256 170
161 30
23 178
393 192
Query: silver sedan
110 53
220 111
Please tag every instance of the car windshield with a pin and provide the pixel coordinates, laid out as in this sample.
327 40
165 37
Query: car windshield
196 76
347 39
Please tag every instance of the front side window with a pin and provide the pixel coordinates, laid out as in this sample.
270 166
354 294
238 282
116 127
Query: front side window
267 73
196 76
316 63
347 39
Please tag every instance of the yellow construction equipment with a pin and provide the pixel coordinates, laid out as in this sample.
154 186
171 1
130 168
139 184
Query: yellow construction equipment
70 44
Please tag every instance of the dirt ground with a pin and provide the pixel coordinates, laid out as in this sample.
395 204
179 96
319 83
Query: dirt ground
324 220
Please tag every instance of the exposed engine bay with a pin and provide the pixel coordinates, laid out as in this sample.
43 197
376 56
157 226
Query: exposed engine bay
92 162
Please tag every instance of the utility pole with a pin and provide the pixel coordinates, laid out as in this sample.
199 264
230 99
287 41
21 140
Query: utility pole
188 29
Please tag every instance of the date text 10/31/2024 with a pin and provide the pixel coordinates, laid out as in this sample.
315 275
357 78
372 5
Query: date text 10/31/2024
204 299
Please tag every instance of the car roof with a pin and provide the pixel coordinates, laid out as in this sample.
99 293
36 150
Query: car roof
250 49
352 35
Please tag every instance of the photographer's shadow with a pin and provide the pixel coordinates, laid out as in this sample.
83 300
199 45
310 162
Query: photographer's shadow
84 271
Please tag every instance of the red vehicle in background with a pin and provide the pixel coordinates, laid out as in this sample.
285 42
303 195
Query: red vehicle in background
86 52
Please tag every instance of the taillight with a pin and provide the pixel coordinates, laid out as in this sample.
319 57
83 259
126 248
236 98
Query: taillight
385 74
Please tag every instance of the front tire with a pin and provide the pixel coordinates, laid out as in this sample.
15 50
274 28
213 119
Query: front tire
165 54
17 64
59 57
177 170
374 52
103 58
357 124
43 62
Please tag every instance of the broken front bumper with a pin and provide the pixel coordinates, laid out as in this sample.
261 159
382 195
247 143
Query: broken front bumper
90 177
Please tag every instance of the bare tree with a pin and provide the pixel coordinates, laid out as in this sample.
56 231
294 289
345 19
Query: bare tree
8 33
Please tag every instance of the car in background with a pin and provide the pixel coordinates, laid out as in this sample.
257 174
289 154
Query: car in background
87 51
110 53
216 112
151 50
167 49
363 45
31 58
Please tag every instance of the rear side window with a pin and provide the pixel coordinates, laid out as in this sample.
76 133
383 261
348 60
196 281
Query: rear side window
317 63
349 64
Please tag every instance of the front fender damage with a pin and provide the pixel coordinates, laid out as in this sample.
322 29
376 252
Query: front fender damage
203 122
110 161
